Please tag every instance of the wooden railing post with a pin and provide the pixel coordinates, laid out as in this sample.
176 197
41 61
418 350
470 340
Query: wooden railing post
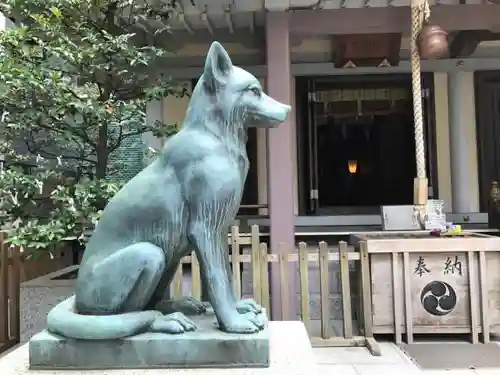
367 299
177 283
304 283
345 287
4 291
195 277
256 265
15 313
324 290
284 281
235 260
264 277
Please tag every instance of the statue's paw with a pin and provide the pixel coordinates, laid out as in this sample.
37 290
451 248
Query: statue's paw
239 323
248 305
259 318
187 305
174 323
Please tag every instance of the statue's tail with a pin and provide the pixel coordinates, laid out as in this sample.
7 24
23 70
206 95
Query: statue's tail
64 321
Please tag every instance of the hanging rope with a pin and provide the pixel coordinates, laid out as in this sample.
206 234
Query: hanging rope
420 12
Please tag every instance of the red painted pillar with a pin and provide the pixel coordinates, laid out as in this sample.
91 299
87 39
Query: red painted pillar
280 161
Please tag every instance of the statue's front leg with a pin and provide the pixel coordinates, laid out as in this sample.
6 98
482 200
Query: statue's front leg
243 306
211 250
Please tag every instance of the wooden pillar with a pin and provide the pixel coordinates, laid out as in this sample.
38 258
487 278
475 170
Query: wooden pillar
463 147
280 161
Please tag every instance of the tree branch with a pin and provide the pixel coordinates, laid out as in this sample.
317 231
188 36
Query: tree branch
46 154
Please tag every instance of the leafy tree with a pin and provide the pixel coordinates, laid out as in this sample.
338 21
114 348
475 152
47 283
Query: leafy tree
75 78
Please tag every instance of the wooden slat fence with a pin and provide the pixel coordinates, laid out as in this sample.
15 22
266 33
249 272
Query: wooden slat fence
9 295
246 251
17 266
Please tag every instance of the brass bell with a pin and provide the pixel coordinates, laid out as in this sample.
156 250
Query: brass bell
432 42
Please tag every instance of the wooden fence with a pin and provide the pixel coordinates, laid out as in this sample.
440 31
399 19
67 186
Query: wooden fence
246 249
16 267
249 252
9 295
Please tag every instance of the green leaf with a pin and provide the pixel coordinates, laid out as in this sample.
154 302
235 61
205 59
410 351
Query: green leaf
56 12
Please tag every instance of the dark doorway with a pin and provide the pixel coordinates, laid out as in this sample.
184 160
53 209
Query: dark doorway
487 87
357 142
366 162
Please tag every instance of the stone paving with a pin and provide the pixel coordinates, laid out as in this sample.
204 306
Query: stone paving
359 361
341 361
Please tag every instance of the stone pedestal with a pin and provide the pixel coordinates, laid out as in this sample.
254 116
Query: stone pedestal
290 353
206 347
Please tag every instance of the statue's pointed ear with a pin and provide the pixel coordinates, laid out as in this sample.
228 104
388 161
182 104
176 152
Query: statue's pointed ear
218 66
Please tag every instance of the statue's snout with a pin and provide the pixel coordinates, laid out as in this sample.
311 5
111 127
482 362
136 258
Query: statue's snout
275 111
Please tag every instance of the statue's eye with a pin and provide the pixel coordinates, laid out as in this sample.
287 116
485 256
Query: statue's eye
255 91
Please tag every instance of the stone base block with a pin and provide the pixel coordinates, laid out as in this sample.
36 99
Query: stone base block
290 353
206 347
38 296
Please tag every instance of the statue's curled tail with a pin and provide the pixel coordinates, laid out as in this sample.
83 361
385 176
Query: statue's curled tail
63 320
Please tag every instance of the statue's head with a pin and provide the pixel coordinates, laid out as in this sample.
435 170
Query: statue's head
238 94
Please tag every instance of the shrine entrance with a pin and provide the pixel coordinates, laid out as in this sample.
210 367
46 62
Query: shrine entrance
357 144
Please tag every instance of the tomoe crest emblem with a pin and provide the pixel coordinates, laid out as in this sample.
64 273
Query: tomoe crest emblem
438 298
